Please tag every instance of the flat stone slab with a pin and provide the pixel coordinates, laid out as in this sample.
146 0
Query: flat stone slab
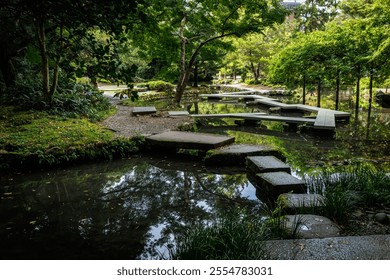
144 110
188 140
273 184
264 164
371 247
235 155
311 226
178 113
291 202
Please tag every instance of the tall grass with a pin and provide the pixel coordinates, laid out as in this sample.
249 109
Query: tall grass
345 188
233 235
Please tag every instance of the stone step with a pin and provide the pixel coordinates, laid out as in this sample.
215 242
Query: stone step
273 184
311 226
144 110
372 247
292 202
235 155
187 140
265 164
178 113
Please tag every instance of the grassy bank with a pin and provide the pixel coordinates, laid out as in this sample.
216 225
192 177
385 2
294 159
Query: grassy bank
31 139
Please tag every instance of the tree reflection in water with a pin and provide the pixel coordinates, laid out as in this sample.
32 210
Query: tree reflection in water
119 210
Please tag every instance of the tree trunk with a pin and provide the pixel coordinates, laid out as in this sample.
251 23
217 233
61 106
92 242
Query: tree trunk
337 90
183 79
196 75
370 103
8 72
319 94
44 60
304 90
357 94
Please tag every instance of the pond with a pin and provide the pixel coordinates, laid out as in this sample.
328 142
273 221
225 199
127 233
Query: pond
132 208
126 209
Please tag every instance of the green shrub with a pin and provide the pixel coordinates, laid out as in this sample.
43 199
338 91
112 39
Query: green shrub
161 86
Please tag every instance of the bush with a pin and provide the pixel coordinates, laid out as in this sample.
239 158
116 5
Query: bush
161 86
80 100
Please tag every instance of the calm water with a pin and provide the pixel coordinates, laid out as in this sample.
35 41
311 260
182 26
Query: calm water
132 209
127 209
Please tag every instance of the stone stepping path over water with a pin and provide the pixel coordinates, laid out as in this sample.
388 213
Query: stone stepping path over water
188 140
325 119
273 184
235 155
265 164
270 175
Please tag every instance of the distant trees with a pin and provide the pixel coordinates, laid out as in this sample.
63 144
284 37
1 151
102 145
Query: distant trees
354 44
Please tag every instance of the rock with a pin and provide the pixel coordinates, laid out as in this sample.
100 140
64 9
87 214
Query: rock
311 226
381 218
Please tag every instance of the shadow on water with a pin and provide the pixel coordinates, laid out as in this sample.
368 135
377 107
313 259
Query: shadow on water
128 209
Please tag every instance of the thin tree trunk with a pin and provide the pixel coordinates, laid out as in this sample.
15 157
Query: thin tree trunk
304 90
337 90
370 103
357 94
186 70
196 75
319 94
44 61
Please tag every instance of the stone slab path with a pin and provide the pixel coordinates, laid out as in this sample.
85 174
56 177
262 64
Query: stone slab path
371 247
264 164
235 155
188 140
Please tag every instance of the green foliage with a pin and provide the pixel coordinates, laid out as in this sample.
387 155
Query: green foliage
230 236
161 86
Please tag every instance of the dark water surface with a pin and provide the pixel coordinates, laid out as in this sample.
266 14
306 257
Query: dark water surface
127 209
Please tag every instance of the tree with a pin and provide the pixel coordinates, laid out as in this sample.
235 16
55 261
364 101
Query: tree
192 25
55 28
313 14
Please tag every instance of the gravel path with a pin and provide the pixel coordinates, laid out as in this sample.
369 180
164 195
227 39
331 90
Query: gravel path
125 124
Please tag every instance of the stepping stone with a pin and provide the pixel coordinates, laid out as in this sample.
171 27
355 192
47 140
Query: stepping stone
311 226
178 113
187 140
235 155
144 110
291 202
273 184
264 164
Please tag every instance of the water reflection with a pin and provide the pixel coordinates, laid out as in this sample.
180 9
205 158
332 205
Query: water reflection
127 209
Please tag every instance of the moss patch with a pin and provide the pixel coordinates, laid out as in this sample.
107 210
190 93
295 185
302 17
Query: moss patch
29 137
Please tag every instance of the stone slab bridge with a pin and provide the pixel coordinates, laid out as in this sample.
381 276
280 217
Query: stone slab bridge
325 118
